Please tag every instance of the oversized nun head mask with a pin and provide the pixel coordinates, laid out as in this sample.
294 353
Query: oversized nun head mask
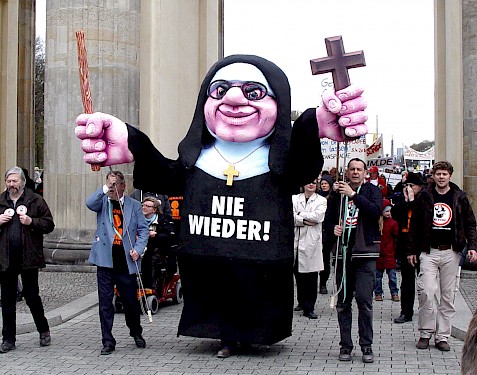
242 98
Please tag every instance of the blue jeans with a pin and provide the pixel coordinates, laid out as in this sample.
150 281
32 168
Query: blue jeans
378 287
360 279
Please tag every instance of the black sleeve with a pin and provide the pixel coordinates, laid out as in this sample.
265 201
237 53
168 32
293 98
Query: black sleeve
306 159
152 171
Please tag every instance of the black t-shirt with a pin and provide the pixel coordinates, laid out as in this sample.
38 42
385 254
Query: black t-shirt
119 256
443 223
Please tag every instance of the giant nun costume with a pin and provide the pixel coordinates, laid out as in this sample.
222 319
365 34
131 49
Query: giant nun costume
236 246
238 286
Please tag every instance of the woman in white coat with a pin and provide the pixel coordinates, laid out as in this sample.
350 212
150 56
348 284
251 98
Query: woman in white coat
309 210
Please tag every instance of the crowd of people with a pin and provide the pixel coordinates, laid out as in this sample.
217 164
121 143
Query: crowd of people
425 229
426 233
238 169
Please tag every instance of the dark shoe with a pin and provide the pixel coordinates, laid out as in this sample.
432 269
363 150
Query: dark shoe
45 338
402 319
139 340
323 290
298 308
310 315
345 354
423 343
107 350
7 346
378 297
395 298
225 352
368 356
443 346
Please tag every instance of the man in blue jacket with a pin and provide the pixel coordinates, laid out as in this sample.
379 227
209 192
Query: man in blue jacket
120 239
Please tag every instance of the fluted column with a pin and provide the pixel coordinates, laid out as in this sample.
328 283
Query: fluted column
112 42
146 62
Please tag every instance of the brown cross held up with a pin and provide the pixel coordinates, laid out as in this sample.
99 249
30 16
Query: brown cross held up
338 62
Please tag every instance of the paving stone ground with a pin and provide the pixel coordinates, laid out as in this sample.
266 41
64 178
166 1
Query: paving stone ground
312 349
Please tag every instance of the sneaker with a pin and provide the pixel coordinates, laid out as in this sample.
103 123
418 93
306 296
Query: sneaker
7 346
225 352
395 298
345 354
298 308
443 346
378 297
423 343
368 356
45 338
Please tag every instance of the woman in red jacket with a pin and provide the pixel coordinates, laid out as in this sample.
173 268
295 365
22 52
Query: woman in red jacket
387 255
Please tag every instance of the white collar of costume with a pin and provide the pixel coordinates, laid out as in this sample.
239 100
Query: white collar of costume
216 157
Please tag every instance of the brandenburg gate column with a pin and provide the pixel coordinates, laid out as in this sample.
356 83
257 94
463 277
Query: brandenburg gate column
146 62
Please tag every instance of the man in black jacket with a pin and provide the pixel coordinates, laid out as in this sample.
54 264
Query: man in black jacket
358 249
402 213
442 226
24 219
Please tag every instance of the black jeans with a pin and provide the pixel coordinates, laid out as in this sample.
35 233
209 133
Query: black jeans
360 279
9 282
325 274
306 289
127 287
408 287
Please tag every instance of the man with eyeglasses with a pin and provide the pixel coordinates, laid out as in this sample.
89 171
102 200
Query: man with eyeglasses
402 213
238 166
442 228
120 239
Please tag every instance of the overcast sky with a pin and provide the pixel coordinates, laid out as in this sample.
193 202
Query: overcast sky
397 39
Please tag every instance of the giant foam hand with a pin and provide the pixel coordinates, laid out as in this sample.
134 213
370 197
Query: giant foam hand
104 139
343 109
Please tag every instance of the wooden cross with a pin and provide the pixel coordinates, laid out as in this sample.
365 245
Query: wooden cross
338 62
230 172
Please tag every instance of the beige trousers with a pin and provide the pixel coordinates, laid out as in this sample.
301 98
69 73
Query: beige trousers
439 270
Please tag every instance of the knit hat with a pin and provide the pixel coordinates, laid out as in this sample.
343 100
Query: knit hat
373 169
328 179
414 178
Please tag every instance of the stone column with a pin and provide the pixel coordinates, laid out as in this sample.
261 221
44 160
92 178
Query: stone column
146 62
174 60
9 18
449 85
469 51
112 42
26 60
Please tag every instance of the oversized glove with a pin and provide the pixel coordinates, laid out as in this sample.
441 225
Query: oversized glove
104 139
343 109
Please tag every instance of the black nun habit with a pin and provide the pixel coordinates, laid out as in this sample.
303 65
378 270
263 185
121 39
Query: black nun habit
236 242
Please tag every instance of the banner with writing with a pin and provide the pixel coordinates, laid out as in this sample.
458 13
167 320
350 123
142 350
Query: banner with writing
412 154
376 149
356 149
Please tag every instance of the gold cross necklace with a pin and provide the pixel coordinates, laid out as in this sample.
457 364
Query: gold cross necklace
231 172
